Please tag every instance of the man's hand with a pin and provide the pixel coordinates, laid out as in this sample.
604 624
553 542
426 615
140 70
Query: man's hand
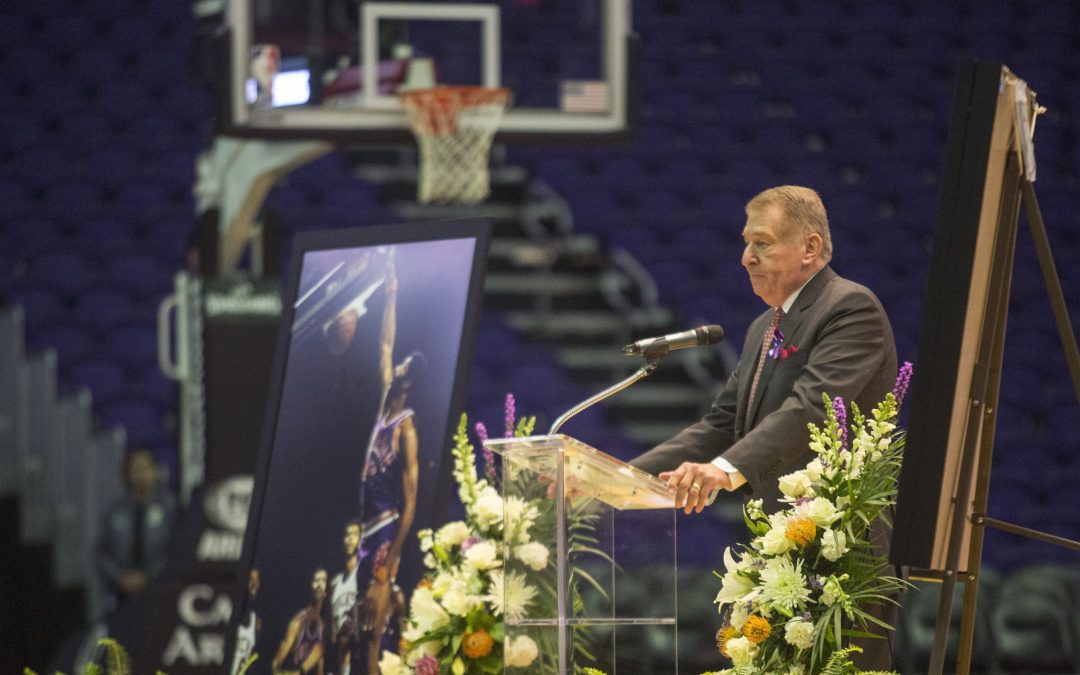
693 483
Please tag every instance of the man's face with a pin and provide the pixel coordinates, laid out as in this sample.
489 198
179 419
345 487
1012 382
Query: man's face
777 267
318 585
352 539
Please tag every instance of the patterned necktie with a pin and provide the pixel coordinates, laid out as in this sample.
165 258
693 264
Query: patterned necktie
766 343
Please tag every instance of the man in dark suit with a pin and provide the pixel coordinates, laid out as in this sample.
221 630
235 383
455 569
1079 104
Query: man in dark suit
832 337
822 334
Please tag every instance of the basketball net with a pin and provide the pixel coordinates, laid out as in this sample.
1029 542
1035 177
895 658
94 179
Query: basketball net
454 127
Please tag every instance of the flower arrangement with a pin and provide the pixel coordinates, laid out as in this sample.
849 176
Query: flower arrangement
458 611
800 590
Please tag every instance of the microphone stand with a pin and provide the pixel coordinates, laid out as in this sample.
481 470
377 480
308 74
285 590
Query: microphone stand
640 374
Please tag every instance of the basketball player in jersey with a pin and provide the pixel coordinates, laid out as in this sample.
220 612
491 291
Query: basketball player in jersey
301 650
344 622
388 488
247 633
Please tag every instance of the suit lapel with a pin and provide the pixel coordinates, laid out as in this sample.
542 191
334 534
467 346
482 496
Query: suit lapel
789 326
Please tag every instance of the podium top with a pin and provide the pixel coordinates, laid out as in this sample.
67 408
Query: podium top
588 471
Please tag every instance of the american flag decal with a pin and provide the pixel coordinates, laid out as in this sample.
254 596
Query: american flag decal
584 96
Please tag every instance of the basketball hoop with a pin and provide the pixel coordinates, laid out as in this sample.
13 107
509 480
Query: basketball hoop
454 127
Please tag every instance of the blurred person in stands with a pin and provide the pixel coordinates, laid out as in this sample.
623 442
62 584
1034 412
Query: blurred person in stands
821 334
133 542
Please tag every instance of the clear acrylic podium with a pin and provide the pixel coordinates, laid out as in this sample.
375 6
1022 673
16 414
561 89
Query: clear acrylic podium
607 596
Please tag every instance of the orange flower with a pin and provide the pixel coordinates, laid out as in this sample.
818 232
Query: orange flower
801 531
425 582
722 637
478 644
404 646
756 629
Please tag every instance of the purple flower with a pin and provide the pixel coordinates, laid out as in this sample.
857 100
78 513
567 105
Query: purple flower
816 583
803 500
489 456
510 415
426 665
841 419
903 380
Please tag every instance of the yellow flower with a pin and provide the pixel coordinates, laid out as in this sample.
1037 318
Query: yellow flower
723 635
801 531
756 629
478 644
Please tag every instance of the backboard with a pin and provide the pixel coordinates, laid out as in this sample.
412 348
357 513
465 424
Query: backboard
334 68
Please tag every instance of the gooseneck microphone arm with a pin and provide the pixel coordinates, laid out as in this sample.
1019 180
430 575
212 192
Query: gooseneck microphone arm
640 374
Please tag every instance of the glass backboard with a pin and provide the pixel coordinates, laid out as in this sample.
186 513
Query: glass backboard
333 68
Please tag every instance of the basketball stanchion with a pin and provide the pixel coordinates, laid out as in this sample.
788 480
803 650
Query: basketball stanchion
454 127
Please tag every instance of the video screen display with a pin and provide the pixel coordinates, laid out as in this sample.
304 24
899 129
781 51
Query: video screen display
357 459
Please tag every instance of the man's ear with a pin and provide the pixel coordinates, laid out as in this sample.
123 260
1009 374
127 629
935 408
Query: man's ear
813 248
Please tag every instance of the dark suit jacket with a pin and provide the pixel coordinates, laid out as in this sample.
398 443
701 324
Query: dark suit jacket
844 347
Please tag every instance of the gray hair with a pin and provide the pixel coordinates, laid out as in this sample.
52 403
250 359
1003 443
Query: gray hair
803 212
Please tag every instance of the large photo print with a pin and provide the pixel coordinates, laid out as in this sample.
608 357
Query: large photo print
356 463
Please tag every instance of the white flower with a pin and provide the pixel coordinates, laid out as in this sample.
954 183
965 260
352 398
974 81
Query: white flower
820 510
796 484
741 651
510 596
520 652
833 544
483 556
739 612
426 612
814 469
452 534
535 555
753 508
441 584
783 584
775 541
734 585
425 540
429 561
417 652
799 634
520 516
390 664
488 508
458 602
833 592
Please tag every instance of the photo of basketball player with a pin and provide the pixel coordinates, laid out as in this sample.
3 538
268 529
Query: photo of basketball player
344 619
388 489
301 649
357 458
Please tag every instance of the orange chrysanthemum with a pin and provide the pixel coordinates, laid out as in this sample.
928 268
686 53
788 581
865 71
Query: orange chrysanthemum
756 629
801 531
404 646
723 635
477 644
425 582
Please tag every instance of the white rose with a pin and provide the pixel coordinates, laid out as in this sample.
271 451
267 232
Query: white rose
741 651
820 510
426 612
775 541
833 544
520 652
795 485
452 534
458 602
488 508
482 556
799 634
390 664
535 555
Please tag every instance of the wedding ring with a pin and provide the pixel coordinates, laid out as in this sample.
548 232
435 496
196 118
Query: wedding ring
696 487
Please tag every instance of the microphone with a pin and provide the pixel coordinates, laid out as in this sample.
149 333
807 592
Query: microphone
658 346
